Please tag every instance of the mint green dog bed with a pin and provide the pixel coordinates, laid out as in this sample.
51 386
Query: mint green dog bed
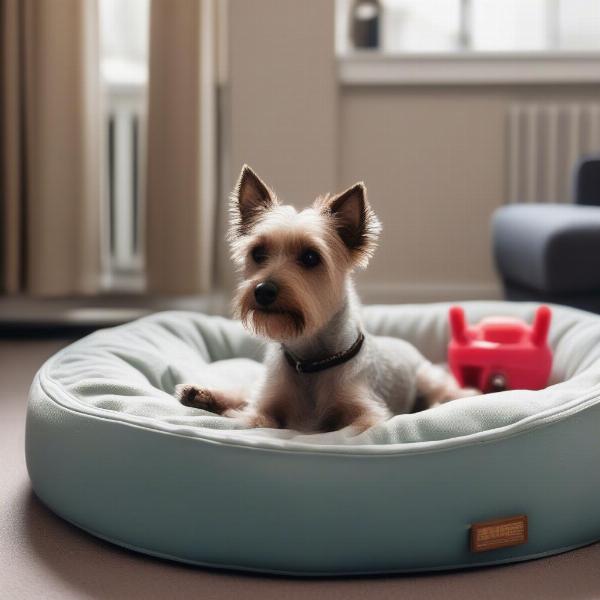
112 451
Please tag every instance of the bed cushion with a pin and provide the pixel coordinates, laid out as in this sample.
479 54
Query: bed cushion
110 449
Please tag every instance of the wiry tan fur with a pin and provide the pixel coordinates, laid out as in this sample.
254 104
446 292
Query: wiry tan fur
316 314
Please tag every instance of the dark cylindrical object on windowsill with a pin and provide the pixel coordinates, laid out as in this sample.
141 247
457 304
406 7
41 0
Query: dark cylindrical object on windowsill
365 23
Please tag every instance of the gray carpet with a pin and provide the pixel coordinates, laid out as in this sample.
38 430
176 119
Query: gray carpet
43 557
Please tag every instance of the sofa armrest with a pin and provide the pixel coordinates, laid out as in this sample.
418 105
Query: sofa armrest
548 247
587 181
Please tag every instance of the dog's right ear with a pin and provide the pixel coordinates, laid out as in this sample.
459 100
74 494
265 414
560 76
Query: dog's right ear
249 199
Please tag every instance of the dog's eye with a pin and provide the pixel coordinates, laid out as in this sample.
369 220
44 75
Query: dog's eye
259 254
310 259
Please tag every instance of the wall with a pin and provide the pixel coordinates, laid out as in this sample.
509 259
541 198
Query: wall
433 158
281 99
433 163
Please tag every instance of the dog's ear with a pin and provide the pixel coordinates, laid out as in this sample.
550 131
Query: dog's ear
355 222
249 199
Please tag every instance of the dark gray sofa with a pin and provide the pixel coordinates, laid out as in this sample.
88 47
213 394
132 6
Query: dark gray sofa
551 252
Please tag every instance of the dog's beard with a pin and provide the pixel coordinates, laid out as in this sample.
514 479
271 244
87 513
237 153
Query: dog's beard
277 325
280 322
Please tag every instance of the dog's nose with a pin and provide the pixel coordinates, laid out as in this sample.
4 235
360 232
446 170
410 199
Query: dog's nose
266 292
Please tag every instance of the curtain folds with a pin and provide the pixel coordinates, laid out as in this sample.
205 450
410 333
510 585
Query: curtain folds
181 166
49 147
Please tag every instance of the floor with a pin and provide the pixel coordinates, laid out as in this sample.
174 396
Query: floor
41 556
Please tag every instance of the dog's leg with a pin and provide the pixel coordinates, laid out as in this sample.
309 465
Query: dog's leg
436 386
255 419
226 403
230 403
356 409
271 409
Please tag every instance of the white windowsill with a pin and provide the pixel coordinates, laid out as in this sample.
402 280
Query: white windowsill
468 68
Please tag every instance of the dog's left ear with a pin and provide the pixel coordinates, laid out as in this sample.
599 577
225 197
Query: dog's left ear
355 222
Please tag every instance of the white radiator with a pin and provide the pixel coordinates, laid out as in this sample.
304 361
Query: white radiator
125 152
545 142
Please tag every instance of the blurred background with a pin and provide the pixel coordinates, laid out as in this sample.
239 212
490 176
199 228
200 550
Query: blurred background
124 124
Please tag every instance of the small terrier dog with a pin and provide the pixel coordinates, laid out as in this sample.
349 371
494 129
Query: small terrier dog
323 371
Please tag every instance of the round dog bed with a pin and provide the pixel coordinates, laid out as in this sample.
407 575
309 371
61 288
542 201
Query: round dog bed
111 450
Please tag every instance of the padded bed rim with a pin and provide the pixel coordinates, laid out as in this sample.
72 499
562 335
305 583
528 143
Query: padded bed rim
229 438
85 502
284 573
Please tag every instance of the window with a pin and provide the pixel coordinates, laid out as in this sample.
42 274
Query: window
124 41
124 34
479 25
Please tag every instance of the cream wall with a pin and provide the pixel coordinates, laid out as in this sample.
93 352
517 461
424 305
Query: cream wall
435 162
280 99
433 157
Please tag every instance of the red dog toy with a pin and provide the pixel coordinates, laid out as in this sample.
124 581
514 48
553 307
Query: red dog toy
500 353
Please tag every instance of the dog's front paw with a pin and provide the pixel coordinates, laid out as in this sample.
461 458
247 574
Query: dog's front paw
194 396
225 403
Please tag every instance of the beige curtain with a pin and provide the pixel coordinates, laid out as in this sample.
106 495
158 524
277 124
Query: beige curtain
49 147
181 167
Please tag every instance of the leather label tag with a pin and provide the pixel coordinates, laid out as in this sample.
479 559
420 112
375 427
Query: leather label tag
499 533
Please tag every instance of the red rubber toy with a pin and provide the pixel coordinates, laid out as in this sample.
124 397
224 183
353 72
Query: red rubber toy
500 353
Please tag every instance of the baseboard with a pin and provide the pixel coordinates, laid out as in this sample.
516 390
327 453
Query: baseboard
31 316
400 293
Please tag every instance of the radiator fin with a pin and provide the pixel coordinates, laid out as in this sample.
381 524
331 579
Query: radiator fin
545 141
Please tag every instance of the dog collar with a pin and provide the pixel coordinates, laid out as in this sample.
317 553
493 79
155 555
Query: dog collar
312 366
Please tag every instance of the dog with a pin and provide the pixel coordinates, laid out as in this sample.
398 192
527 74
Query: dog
323 371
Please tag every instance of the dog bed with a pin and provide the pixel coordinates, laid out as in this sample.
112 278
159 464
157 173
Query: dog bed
112 451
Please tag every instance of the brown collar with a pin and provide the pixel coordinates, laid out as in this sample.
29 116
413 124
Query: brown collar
312 366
